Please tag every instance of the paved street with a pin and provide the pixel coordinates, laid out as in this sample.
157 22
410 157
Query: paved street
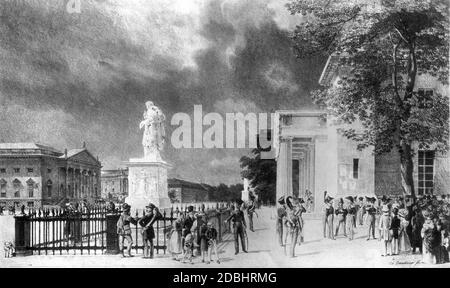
263 252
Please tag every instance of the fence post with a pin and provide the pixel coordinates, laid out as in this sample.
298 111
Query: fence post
112 239
22 235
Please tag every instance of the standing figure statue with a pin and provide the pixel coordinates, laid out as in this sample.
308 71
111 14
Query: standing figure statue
154 132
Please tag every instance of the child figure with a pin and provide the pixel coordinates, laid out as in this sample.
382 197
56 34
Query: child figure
384 227
211 236
394 231
188 246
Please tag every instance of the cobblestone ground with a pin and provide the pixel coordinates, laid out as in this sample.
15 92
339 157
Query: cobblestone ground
263 252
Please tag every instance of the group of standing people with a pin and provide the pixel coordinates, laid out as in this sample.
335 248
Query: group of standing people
193 234
422 225
402 225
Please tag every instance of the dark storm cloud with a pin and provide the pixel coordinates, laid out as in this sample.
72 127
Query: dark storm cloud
68 78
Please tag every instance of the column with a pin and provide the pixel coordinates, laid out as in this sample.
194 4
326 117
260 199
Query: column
312 170
284 168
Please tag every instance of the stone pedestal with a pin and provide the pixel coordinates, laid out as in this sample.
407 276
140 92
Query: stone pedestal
147 183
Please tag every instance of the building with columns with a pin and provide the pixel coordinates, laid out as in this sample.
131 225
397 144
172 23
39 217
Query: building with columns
36 175
312 155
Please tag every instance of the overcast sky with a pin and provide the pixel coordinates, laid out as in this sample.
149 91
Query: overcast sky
68 78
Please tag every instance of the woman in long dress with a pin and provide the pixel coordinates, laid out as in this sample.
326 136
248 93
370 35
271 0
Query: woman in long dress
175 244
404 245
428 233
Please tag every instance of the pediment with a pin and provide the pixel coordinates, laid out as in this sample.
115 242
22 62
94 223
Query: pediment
84 157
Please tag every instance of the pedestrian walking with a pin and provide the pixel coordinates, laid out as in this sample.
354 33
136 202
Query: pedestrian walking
211 237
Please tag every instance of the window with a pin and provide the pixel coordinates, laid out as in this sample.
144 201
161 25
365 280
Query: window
16 170
17 185
49 188
30 170
355 168
30 188
424 97
3 170
2 188
426 171
30 204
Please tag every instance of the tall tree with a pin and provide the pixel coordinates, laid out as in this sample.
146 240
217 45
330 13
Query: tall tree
381 48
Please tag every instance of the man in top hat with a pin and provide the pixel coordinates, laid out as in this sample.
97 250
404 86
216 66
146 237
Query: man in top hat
351 217
281 214
187 225
124 229
148 233
371 216
238 218
328 216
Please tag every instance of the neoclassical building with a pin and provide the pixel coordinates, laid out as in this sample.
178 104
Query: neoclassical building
312 155
36 175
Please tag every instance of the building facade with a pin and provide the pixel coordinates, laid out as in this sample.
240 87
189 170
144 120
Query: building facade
312 155
36 175
114 184
115 188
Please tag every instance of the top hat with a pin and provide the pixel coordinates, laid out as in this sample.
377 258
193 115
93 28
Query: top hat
281 200
151 206
190 208
125 206
350 198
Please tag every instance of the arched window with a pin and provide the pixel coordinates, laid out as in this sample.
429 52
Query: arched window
76 191
61 191
2 188
69 190
17 186
30 188
49 188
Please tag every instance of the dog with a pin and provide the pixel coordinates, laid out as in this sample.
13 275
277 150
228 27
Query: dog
10 250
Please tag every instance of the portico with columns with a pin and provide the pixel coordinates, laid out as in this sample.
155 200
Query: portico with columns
306 154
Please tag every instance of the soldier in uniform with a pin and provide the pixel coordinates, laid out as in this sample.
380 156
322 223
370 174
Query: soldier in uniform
350 219
124 229
238 218
341 214
281 213
371 214
328 216
292 224
148 233
250 211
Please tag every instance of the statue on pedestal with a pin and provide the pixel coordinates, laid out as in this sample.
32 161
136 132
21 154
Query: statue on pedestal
154 132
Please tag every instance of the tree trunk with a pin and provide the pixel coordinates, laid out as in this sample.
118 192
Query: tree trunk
407 169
